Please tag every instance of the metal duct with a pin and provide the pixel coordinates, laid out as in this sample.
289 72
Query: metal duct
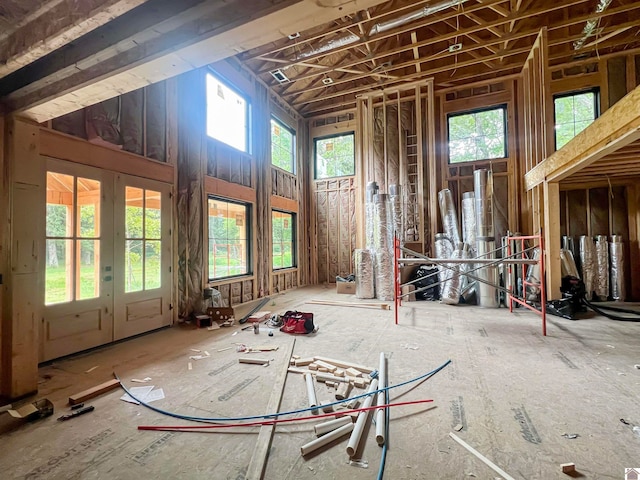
534 278
413 16
363 260
395 197
487 295
444 249
485 237
616 250
469 221
568 264
369 211
449 215
590 28
451 288
346 39
383 240
569 244
588 261
602 263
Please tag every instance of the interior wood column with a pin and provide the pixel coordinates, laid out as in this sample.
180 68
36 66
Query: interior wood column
552 236
23 251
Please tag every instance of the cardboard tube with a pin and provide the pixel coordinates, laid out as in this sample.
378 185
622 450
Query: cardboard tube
326 439
326 427
381 425
354 440
313 402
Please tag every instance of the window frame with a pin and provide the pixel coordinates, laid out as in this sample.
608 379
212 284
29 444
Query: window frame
351 133
294 240
248 232
247 111
572 93
502 106
293 133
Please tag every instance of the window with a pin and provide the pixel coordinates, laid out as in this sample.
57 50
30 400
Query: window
335 156
283 142
573 113
283 236
227 114
228 238
143 235
478 135
73 238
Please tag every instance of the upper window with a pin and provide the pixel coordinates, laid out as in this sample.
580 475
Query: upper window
283 239
573 113
227 114
282 146
229 245
335 156
477 135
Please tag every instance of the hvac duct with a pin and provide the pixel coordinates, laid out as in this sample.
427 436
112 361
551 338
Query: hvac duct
602 263
372 189
413 16
588 261
591 27
451 288
469 221
485 237
383 239
569 244
363 260
338 42
449 215
568 264
534 277
616 249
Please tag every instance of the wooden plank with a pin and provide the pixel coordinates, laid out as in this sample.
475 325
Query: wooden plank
258 461
552 236
633 211
286 204
94 392
215 186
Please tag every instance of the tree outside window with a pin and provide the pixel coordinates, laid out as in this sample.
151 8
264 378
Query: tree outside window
282 146
229 254
335 156
283 239
573 113
478 135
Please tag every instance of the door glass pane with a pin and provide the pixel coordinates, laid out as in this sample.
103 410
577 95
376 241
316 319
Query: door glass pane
152 214
134 209
58 279
59 205
133 265
152 265
88 208
88 282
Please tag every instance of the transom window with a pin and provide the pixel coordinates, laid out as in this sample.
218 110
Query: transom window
72 238
143 235
283 239
282 146
477 135
335 156
229 244
573 113
227 114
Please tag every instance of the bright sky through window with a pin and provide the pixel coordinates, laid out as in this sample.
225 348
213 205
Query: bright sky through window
226 114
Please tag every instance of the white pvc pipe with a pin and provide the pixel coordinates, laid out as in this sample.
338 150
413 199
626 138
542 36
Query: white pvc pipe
381 425
311 392
326 427
325 439
354 440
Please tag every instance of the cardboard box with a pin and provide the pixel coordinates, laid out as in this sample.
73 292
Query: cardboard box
346 287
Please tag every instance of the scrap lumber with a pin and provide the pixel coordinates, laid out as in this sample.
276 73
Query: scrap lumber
343 364
94 392
336 303
329 367
301 362
568 467
254 361
484 459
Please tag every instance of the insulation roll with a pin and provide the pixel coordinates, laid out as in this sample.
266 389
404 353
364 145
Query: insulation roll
588 262
616 250
483 192
383 240
469 221
384 276
449 215
487 294
395 197
363 261
451 288
602 267
444 249
568 263
534 278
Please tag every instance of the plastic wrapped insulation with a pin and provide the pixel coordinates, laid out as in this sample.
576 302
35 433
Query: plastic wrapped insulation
534 278
452 287
469 221
568 264
588 262
395 197
369 211
602 265
616 250
383 239
365 285
444 249
449 215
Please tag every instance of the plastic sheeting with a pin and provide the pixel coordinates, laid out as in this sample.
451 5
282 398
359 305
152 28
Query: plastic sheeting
395 197
383 239
588 261
449 215
364 261
616 250
469 227
602 265
568 264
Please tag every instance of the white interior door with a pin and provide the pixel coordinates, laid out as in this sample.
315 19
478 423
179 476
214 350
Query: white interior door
143 278
78 294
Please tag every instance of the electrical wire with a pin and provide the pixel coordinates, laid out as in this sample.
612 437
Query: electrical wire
601 311
277 414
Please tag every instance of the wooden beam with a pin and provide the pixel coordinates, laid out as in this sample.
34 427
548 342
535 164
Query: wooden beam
234 191
282 203
552 235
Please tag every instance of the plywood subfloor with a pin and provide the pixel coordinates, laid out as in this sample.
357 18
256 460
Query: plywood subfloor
515 393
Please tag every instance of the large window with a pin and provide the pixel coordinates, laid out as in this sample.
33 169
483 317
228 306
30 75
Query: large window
573 113
143 235
227 114
335 156
282 146
73 238
228 238
283 235
477 135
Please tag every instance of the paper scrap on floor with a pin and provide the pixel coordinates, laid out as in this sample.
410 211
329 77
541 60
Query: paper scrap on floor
145 394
